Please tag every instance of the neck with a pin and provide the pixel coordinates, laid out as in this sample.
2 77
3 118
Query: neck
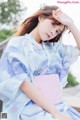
34 33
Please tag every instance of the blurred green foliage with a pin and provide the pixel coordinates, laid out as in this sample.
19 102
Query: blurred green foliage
71 80
4 34
10 11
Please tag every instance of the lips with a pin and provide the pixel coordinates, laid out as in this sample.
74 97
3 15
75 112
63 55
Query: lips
48 35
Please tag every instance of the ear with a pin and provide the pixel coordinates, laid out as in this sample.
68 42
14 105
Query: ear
41 17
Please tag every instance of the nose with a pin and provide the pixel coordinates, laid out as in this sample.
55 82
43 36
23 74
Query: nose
51 33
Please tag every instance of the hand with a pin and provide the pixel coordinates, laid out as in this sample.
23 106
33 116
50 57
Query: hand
62 116
62 17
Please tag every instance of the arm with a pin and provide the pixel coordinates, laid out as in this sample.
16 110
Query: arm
75 32
66 20
32 92
29 89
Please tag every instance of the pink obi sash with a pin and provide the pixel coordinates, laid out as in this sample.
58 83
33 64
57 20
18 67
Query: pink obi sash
49 86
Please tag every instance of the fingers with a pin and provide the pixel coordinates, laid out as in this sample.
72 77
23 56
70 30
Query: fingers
57 12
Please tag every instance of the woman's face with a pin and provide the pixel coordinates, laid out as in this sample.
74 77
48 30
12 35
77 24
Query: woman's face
47 29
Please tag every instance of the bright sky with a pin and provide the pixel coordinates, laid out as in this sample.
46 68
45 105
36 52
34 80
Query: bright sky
72 8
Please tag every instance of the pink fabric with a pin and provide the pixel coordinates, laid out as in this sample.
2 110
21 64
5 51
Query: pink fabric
49 86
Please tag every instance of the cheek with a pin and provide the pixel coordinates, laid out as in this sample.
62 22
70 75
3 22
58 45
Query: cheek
41 28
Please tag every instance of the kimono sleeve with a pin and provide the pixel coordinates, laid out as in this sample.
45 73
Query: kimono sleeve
14 71
69 54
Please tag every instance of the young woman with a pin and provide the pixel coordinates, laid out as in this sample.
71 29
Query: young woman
37 50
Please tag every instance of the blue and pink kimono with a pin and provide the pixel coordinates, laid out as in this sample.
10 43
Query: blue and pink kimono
23 59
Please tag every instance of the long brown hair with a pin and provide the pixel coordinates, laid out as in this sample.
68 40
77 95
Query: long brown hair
30 23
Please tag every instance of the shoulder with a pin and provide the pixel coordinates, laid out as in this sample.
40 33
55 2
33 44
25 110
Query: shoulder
64 49
17 43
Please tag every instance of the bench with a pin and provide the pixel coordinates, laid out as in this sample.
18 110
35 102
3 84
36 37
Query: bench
1 105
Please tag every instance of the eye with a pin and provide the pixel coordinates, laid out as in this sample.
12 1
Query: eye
57 32
53 24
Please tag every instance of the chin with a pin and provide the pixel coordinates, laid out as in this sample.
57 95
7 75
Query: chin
45 39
